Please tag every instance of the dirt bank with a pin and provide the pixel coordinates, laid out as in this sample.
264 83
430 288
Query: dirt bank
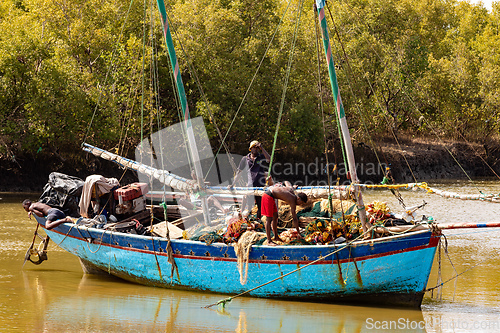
423 160
427 160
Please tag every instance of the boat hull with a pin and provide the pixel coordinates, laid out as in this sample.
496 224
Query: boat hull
390 271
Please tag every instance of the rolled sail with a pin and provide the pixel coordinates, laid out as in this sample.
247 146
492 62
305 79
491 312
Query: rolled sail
163 176
188 185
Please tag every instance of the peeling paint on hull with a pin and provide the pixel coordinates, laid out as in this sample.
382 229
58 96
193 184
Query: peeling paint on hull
390 271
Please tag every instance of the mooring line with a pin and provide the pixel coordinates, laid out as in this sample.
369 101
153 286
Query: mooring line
229 299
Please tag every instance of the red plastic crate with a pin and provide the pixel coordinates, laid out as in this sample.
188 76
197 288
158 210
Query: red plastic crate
131 191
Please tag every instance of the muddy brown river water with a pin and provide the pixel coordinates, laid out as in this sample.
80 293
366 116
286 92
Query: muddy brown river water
57 297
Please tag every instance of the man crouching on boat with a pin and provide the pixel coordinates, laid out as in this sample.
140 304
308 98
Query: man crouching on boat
54 216
270 209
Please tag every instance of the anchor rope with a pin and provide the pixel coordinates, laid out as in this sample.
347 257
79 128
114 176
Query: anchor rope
153 240
465 271
440 284
170 252
451 262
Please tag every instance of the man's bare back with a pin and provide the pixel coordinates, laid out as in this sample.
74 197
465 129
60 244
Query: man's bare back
288 195
54 216
285 193
38 208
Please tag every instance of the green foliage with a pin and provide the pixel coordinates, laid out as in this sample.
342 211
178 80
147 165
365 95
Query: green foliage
80 70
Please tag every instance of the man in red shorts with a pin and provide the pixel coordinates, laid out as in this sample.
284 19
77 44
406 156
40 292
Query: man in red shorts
270 209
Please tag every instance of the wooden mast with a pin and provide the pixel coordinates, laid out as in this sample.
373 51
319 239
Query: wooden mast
320 4
185 107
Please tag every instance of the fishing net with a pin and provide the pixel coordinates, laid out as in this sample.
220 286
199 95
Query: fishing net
242 249
322 208
235 229
210 237
285 218
207 234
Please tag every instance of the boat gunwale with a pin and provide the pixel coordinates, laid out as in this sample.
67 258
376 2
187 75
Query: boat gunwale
218 244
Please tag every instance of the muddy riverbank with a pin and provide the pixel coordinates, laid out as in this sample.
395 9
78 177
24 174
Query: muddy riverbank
409 161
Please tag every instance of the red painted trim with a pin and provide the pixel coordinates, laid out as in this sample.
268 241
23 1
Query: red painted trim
433 242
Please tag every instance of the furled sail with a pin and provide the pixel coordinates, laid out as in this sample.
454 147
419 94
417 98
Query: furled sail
188 185
163 176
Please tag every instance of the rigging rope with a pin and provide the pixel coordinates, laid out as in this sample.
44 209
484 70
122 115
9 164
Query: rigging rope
478 155
361 21
442 142
108 71
383 109
320 93
143 65
339 131
346 58
285 85
160 154
177 97
349 69
251 82
155 102
207 105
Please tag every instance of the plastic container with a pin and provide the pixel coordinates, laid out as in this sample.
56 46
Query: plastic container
131 191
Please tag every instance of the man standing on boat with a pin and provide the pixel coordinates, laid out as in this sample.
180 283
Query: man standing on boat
270 209
257 172
54 216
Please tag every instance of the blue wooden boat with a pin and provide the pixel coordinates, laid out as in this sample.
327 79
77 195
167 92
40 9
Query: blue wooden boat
390 270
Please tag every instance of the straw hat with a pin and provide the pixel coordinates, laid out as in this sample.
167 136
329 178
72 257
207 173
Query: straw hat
253 143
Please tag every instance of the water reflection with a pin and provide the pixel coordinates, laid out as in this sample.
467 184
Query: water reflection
104 305
57 297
